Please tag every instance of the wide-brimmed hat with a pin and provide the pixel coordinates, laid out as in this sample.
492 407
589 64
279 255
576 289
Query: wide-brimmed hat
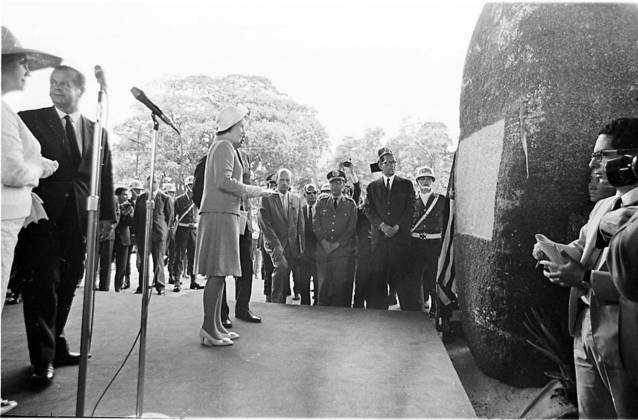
36 59
424 171
230 116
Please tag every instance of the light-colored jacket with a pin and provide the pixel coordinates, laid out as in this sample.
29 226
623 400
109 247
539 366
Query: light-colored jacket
223 187
21 165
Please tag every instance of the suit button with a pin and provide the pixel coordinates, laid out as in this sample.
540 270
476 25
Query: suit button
66 195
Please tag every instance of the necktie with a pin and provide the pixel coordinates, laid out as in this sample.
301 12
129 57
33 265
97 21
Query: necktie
73 141
387 187
335 203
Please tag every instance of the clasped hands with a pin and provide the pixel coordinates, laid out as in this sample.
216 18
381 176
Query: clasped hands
329 247
569 274
389 231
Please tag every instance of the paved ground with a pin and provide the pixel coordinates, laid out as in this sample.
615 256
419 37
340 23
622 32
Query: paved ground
300 362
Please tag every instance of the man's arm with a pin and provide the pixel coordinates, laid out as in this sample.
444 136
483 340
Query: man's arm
370 210
271 241
623 259
106 183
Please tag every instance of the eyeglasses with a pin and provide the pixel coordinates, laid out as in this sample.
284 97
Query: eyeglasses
24 62
610 152
311 192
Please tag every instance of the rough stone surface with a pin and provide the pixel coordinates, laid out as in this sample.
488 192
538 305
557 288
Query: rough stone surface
555 74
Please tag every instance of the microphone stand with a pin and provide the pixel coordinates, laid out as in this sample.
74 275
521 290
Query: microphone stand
150 206
93 207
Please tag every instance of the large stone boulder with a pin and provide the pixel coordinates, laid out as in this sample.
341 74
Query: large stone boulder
540 80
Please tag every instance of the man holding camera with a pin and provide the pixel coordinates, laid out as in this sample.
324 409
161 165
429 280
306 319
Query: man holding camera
603 385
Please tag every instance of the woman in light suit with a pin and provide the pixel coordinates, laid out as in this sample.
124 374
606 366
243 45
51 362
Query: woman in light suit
217 251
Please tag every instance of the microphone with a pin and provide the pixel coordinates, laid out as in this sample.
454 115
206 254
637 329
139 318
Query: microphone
140 96
99 75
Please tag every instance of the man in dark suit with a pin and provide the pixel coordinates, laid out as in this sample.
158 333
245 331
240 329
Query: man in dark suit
282 223
161 218
122 236
426 234
267 267
389 207
309 258
57 246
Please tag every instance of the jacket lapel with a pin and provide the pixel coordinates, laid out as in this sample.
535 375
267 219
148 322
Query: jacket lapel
54 123
589 253
87 137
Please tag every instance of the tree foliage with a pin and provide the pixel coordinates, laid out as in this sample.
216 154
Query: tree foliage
281 132
417 143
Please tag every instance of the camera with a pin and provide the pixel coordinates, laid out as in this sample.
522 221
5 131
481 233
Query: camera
622 171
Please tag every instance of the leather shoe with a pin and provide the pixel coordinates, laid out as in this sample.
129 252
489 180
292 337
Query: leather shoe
43 375
69 359
226 323
177 289
196 286
161 292
247 316
296 297
138 291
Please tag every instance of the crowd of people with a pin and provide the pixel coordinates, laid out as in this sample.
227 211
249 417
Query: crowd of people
338 243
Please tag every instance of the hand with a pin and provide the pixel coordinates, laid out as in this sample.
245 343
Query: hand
538 254
104 229
387 230
614 220
277 253
570 274
329 247
265 192
49 167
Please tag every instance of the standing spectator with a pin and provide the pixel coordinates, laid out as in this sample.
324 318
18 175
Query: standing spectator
334 224
267 266
122 243
161 218
389 207
426 235
282 224
135 189
185 237
105 244
22 162
58 246
309 257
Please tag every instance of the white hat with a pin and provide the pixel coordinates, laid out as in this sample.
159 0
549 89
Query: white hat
424 171
230 116
35 59
169 187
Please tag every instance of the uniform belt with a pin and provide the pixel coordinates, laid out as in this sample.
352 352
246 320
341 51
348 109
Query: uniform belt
188 225
426 235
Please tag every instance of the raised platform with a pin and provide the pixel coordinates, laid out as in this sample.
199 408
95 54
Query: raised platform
300 362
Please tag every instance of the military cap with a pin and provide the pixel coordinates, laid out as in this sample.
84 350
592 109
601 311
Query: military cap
335 175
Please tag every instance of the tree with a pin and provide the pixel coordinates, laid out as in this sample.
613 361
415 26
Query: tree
280 131
420 143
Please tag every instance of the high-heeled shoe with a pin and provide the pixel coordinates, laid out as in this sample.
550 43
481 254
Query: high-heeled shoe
208 340
231 335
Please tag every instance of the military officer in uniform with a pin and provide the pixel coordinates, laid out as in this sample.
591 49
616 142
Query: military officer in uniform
426 234
185 236
334 225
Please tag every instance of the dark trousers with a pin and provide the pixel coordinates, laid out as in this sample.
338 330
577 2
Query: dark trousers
335 281
157 254
53 255
267 269
122 253
391 265
363 278
430 255
308 270
106 258
281 276
185 240
244 284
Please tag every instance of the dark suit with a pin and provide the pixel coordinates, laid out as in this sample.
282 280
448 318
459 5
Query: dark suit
623 264
123 243
55 248
394 207
426 243
282 232
162 217
308 259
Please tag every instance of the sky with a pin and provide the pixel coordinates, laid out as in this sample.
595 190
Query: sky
359 63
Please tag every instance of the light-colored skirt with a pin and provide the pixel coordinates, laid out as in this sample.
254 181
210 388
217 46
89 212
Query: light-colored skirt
217 252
